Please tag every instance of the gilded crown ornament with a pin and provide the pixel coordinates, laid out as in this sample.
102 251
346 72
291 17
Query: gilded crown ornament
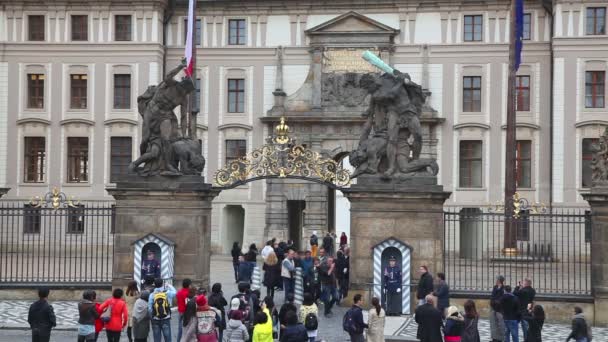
282 158
55 199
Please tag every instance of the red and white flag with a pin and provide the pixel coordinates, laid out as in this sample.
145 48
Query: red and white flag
189 53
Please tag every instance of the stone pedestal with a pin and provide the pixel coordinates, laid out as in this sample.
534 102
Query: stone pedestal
598 200
410 213
3 191
178 208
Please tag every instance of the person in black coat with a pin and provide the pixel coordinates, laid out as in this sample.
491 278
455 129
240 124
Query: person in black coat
535 317
272 274
580 329
442 292
217 300
425 285
236 253
41 317
429 321
511 313
328 244
525 294
294 331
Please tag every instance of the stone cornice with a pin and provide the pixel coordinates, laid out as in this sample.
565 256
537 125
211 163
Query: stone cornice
33 120
471 125
234 125
77 121
120 121
523 125
591 123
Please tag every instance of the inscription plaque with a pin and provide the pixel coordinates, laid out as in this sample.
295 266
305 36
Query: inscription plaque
346 60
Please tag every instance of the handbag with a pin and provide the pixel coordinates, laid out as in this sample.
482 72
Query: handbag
107 315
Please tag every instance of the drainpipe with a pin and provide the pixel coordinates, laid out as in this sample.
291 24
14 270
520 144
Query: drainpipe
549 9
167 18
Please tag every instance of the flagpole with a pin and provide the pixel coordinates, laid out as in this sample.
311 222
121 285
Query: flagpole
510 243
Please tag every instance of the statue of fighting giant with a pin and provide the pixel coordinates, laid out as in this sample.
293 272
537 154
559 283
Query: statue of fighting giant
391 138
163 151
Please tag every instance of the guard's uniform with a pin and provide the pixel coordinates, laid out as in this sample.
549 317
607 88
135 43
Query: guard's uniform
150 268
392 284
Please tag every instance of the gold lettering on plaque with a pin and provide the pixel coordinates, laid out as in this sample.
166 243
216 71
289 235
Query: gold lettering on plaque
346 60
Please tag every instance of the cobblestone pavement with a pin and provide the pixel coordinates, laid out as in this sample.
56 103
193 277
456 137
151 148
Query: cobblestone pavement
13 314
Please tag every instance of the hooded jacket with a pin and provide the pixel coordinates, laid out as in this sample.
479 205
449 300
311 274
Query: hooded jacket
141 317
41 317
236 331
263 332
580 328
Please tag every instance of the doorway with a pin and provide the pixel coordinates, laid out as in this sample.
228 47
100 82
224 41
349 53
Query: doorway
295 219
234 226
386 255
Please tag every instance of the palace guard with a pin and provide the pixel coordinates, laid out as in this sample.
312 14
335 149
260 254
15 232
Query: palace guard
392 285
150 268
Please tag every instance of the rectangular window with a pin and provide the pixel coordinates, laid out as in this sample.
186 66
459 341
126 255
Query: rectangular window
80 27
120 156
471 94
527 22
35 27
473 28
235 149
594 89
122 27
75 219
122 91
237 32
587 157
34 159
236 95
596 20
470 164
35 91
31 219
523 225
522 87
588 226
523 163
78 159
197 36
78 91
198 94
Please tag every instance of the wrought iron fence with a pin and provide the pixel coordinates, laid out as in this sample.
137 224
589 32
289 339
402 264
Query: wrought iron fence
59 243
552 249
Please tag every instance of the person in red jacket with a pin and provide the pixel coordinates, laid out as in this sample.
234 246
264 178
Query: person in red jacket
119 315
182 300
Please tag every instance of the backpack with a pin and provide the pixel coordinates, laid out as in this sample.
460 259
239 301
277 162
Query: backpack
160 307
311 322
205 322
348 322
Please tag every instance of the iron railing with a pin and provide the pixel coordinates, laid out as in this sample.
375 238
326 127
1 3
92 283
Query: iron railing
64 245
551 248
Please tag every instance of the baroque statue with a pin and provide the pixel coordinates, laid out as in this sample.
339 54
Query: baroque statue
164 151
599 162
391 138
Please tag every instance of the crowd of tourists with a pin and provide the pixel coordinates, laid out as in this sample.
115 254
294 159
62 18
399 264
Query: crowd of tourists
249 316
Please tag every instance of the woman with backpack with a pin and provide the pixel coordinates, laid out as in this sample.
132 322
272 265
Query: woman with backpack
375 321
471 319
309 314
272 273
115 315
140 318
131 296
208 319
190 323
235 329
454 325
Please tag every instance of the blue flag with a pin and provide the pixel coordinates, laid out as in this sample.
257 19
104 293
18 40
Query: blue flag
519 31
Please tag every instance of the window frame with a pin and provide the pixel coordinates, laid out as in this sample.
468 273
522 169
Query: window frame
521 106
243 148
472 108
198 33
519 163
75 220
595 84
83 34
237 36
75 149
122 92
35 90
527 25
32 219
123 36
472 25
239 92
595 10
32 34
469 160
81 87
34 154
119 153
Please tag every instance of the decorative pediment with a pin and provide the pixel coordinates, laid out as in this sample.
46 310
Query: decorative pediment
351 22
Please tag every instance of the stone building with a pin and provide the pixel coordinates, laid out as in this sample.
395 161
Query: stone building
70 74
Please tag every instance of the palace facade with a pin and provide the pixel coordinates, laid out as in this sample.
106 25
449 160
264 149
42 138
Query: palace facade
71 71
